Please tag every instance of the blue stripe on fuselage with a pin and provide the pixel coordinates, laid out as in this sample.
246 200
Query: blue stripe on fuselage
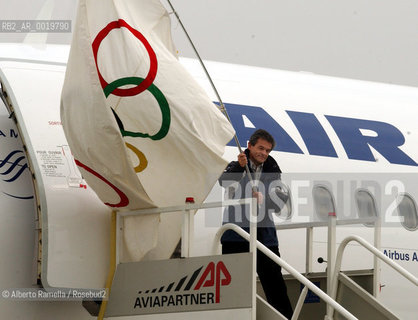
386 141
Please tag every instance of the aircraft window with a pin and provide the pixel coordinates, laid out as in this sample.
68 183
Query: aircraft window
283 194
366 206
407 209
324 201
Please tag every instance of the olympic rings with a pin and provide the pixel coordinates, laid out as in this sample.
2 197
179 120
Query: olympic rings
166 118
142 85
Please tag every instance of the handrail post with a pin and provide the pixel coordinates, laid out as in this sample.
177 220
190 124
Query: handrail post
253 250
300 302
113 261
376 260
118 240
187 230
309 250
332 229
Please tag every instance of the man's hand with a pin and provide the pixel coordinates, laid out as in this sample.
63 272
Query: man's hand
242 159
259 196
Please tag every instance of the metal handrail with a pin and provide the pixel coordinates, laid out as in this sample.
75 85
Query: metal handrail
375 252
284 265
183 207
314 224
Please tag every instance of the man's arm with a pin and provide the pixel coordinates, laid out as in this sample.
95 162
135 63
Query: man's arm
234 171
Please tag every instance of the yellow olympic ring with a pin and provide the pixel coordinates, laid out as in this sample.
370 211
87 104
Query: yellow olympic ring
143 162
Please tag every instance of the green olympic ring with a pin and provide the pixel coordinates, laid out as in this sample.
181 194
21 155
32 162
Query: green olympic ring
162 102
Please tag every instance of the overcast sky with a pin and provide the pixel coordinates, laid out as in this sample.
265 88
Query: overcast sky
362 39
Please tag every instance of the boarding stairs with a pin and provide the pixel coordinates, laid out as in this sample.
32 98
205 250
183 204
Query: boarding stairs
349 295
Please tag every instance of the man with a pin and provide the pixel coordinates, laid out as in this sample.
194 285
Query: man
264 187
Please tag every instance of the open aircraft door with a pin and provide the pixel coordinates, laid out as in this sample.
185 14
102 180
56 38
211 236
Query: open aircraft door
73 224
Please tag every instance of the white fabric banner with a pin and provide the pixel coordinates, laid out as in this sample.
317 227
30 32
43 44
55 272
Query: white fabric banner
142 131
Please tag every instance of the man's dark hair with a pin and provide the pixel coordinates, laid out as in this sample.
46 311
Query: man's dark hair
262 134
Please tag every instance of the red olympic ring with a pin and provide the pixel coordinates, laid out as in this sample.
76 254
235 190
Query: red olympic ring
124 201
149 79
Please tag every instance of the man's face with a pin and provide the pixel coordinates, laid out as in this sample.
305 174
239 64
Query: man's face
260 151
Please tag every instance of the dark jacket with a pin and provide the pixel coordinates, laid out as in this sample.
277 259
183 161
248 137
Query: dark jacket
238 186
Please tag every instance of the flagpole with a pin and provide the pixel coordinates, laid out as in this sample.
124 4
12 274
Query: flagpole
221 104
